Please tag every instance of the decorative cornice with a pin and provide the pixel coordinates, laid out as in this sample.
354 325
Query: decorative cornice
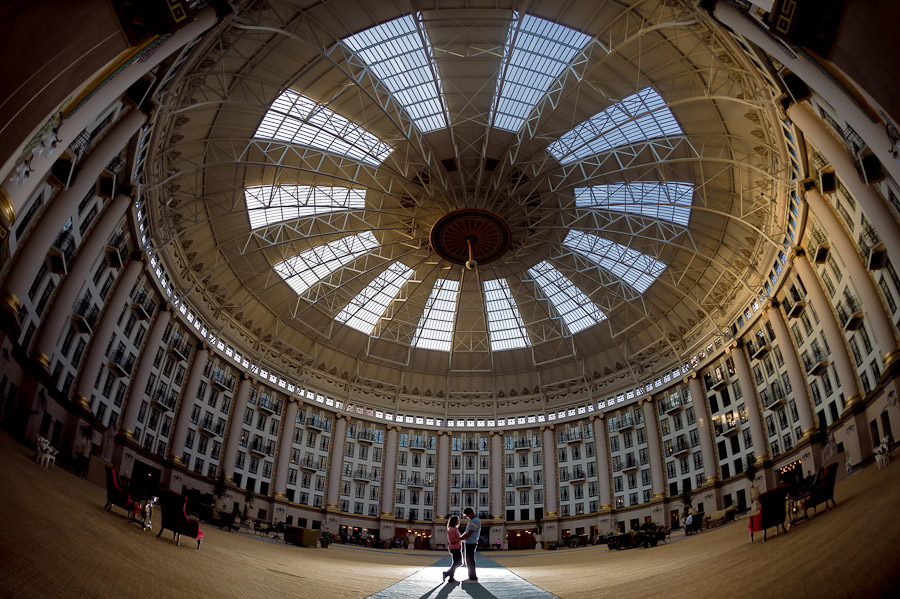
547 427
690 375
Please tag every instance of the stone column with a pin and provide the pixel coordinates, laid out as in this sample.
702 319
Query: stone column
751 401
551 484
701 411
136 394
443 475
497 475
105 326
285 448
872 132
833 334
389 472
188 399
651 432
79 271
233 439
792 362
336 462
601 452
28 258
16 194
882 328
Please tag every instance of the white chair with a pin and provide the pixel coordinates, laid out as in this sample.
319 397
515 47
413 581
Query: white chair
47 454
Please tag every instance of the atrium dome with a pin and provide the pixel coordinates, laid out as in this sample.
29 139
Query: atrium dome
608 181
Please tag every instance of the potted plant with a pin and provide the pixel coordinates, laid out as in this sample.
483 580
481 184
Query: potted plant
538 534
326 539
750 473
552 545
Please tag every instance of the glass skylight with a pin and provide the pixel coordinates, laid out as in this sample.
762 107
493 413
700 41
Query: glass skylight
311 266
364 311
404 62
640 116
298 119
268 204
572 305
505 325
435 330
656 199
536 53
633 267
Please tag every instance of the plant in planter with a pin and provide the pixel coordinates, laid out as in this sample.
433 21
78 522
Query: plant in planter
326 539
552 545
687 500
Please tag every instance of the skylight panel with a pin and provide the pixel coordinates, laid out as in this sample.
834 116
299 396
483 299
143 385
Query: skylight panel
311 266
577 311
403 60
536 53
638 117
268 204
656 199
298 119
364 311
505 326
633 267
435 330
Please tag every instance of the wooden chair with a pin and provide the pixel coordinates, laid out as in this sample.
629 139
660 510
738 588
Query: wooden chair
771 511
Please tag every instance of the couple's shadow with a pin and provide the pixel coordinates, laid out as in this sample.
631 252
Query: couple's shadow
456 589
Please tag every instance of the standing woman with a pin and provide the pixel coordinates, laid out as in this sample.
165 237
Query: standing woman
454 545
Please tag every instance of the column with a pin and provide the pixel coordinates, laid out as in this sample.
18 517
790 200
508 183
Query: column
651 432
881 327
102 333
551 484
136 393
79 271
751 401
336 462
442 508
28 258
818 79
701 411
497 478
234 426
601 451
102 96
833 334
389 479
285 448
872 204
186 406
794 370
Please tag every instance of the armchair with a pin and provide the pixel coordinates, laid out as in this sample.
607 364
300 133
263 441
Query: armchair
771 511
696 524
175 519
115 495
822 489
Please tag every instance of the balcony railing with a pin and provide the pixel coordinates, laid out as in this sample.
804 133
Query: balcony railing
143 305
366 434
470 445
121 362
210 427
850 313
816 363
223 380
522 444
85 315
60 254
180 346
165 399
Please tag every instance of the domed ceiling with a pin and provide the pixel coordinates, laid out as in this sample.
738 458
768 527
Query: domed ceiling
467 203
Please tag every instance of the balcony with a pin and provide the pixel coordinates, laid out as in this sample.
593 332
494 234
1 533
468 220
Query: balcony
418 481
366 435
261 448
816 364
821 254
165 400
180 347
63 170
470 445
59 256
630 465
208 427
759 351
522 444
523 481
143 305
308 465
670 406
625 422
574 436
267 403
681 448
418 444
851 314
116 251
121 363
315 422
577 475
85 315
727 427
366 477
718 384
222 381
877 258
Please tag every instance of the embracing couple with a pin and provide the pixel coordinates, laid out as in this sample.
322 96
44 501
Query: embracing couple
455 541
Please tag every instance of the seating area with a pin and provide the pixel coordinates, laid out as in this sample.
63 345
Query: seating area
175 518
822 489
772 512
720 517
696 524
44 453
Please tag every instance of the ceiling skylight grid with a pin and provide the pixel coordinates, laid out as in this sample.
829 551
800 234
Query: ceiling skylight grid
364 311
577 311
536 53
435 329
311 266
269 204
663 200
638 117
633 267
404 62
505 325
298 119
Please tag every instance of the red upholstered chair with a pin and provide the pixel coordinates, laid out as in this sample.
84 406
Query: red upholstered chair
114 494
771 511
822 490
174 518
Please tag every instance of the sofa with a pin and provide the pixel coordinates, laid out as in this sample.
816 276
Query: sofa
720 517
305 537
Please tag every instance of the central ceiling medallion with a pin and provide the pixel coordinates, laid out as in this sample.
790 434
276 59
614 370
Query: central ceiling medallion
470 236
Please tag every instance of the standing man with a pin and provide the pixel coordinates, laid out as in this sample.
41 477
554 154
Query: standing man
470 538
